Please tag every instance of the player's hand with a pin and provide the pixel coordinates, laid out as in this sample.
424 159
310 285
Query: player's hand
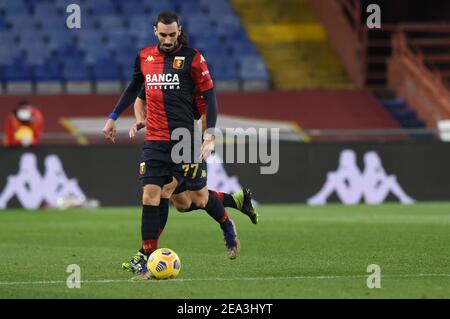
135 128
109 131
207 146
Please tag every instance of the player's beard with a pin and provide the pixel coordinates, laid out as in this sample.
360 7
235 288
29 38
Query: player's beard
166 49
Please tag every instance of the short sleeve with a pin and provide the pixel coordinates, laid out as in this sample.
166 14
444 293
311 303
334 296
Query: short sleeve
200 73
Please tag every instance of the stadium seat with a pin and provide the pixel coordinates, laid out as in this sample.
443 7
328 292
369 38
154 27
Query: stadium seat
52 23
60 38
95 53
3 24
8 38
157 7
252 67
7 56
14 8
22 22
101 7
107 22
106 69
116 38
114 30
36 53
75 70
17 71
27 39
131 8
46 9
48 71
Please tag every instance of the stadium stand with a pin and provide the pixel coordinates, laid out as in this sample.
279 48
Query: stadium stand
113 31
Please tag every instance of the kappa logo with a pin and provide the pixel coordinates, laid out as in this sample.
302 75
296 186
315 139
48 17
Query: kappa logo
150 58
178 62
202 59
371 185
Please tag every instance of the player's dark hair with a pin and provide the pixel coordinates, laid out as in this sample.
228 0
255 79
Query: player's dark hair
171 17
23 103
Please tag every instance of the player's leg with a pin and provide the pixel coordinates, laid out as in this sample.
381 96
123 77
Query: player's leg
154 173
215 209
241 201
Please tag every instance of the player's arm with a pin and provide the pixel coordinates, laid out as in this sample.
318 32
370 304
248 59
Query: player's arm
203 119
204 84
126 99
139 114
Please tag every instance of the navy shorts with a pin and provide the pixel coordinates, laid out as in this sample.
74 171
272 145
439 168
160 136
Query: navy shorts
156 165
191 177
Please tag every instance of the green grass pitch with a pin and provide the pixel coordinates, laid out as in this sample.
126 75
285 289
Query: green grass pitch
295 251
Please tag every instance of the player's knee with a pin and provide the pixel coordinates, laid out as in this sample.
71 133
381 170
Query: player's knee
181 207
200 202
149 199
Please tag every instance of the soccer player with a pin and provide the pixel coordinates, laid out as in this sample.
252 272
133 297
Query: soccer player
172 72
178 192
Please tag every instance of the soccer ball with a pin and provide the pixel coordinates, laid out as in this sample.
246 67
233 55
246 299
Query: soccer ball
164 263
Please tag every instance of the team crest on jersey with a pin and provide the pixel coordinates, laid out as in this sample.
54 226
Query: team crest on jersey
178 62
142 168
150 58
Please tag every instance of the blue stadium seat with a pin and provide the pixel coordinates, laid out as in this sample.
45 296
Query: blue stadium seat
228 24
3 24
131 8
145 40
112 32
52 23
157 7
68 51
62 4
242 48
60 38
14 8
101 7
210 46
106 70
8 56
36 53
252 67
222 72
139 24
86 39
29 39
96 52
108 22
22 23
50 70
75 70
17 72
199 25
126 57
8 38
118 37
187 8
217 8
47 10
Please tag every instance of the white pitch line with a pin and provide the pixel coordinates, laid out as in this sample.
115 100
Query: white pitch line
103 281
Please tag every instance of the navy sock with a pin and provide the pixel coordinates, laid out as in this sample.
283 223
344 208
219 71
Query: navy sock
226 199
216 210
163 214
149 228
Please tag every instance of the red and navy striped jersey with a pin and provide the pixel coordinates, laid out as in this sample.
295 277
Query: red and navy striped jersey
172 81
